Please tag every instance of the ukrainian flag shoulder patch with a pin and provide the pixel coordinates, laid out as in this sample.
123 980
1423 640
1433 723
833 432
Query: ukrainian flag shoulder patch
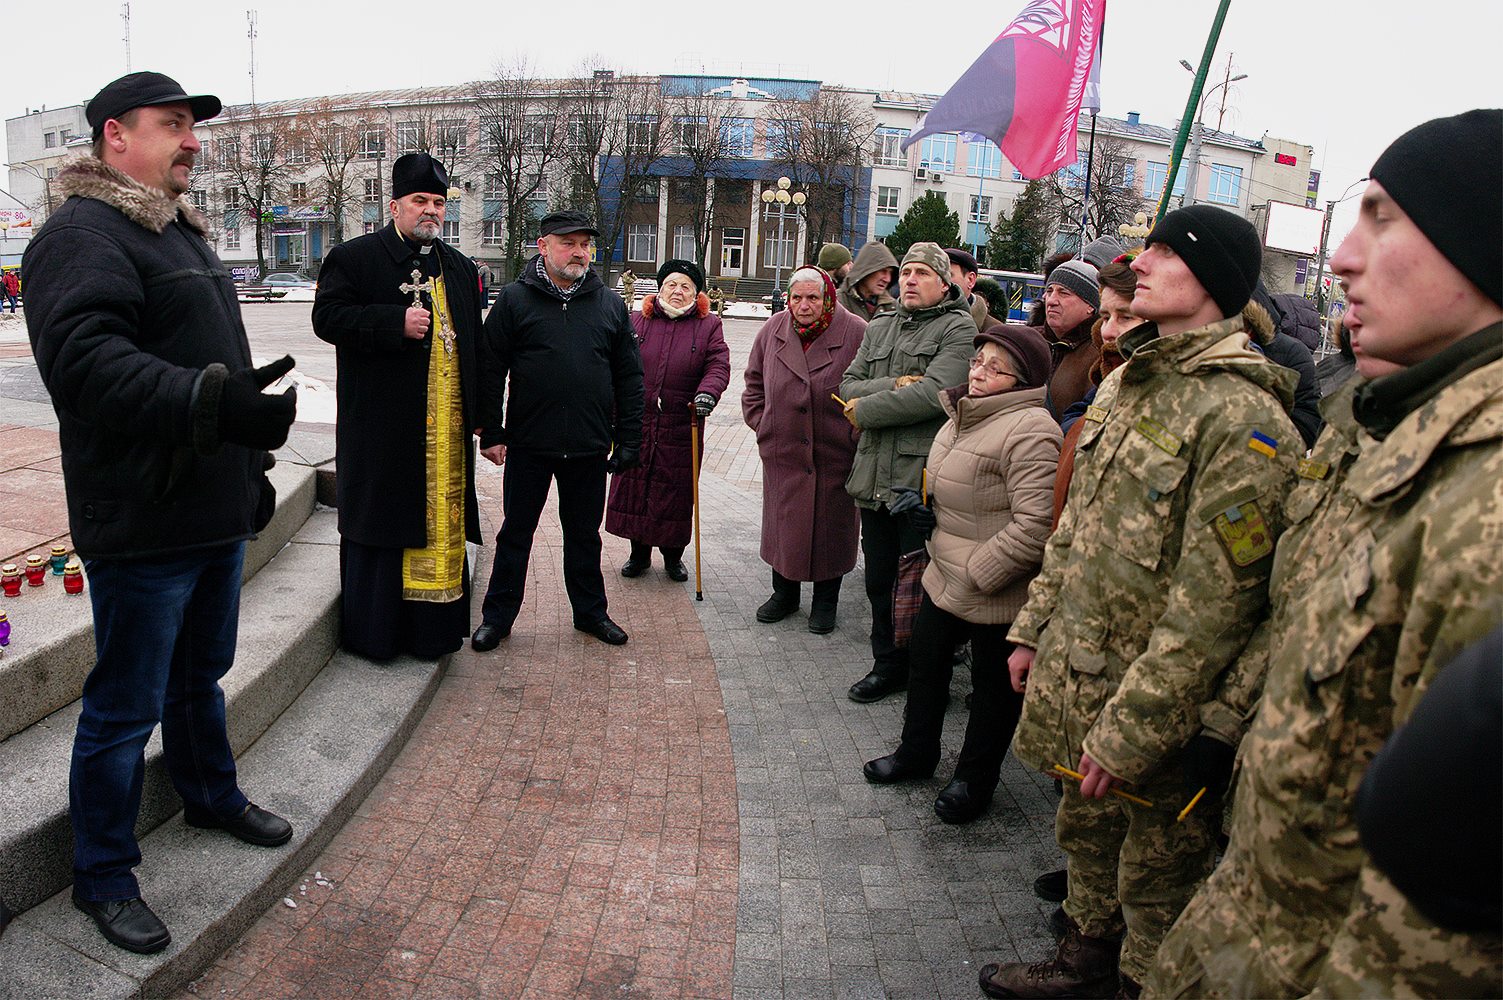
1263 444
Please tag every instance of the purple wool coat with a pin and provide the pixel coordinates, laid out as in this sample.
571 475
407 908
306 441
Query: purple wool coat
653 504
810 527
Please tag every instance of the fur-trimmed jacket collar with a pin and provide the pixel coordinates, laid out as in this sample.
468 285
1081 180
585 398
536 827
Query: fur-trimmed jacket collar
87 176
701 307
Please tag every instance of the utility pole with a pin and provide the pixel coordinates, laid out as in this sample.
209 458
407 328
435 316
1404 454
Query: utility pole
125 36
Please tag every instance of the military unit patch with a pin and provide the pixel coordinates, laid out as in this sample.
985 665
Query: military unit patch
1159 435
1263 444
1244 533
1310 469
1096 413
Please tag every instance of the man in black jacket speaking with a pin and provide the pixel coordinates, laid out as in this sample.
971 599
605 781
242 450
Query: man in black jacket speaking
164 433
565 346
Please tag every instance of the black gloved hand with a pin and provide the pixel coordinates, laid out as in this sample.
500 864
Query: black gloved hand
703 404
1207 763
905 498
622 459
922 520
249 417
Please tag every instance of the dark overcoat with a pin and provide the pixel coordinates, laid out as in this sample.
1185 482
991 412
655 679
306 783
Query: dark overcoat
653 503
810 527
382 386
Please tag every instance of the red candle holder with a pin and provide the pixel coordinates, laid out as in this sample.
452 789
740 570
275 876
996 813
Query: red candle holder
73 578
10 579
36 570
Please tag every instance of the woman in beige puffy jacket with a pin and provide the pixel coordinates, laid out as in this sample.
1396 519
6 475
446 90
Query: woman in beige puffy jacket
991 480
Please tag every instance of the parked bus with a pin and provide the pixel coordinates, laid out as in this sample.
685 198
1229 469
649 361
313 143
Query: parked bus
1022 289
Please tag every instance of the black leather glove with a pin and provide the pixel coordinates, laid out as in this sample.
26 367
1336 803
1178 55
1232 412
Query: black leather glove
922 520
1207 763
622 459
905 498
249 417
703 404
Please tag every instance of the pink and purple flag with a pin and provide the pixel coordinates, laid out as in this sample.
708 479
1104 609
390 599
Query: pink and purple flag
1025 91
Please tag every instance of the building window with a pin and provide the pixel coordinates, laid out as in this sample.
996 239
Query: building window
199 200
779 252
409 137
537 133
1129 173
49 140
370 227
228 149
265 146
887 149
1017 175
938 153
576 132
232 198
690 130
491 190
64 136
373 143
641 242
983 159
642 133
232 238
736 136
1153 180
887 201
537 201
647 190
331 142
298 193
297 152
373 189
453 137
782 138
450 234
491 233
684 244
490 137
1226 185
981 207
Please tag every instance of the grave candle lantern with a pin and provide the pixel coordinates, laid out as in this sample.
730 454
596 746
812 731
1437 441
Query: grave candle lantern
73 578
36 570
10 579
4 630
59 559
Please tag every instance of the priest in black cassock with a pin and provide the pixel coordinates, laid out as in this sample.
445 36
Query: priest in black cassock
402 308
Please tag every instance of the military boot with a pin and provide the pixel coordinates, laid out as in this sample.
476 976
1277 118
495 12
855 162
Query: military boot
1081 967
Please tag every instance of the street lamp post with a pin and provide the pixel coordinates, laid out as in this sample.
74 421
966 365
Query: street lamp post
775 203
1192 176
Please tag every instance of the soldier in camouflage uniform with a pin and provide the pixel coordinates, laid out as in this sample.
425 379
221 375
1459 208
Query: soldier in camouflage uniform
1391 568
1150 587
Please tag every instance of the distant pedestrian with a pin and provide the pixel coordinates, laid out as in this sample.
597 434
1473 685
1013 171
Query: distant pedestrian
809 522
686 365
11 286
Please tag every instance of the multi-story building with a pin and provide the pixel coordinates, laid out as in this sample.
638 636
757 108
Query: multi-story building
37 143
675 166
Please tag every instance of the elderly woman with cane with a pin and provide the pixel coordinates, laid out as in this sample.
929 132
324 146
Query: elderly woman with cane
686 365
809 523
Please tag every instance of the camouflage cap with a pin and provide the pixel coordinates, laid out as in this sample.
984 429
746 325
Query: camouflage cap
932 256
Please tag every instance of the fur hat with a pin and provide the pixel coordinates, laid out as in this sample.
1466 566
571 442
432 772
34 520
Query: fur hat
687 268
932 256
1222 250
833 256
418 172
1081 278
1029 352
1447 176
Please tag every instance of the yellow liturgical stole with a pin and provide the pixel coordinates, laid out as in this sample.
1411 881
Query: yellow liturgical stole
436 572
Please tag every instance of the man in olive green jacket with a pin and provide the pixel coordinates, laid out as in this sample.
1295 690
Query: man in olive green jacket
892 396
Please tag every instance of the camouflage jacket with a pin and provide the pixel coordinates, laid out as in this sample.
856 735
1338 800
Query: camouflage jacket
1158 570
1395 573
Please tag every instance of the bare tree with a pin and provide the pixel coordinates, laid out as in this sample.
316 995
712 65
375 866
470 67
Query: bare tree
520 138
1114 199
250 155
331 142
705 139
823 142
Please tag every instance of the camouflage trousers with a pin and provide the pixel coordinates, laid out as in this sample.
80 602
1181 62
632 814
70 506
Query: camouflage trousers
1133 868
1231 942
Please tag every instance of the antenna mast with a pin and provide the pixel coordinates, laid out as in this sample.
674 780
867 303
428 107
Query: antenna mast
125 35
250 17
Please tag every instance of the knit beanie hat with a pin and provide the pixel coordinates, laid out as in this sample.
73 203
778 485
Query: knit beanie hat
1447 176
833 256
932 256
1081 278
1029 352
1103 251
687 268
1222 250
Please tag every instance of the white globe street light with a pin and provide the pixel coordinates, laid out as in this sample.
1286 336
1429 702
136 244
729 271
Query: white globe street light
776 201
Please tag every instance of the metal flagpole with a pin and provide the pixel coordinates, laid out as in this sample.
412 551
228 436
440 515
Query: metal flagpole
1187 120
1085 202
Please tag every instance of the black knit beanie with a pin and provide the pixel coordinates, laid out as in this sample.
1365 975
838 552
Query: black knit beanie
687 268
1222 250
1447 175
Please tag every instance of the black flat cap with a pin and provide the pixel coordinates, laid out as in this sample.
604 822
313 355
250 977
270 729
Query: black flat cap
144 90
559 223
964 259
414 172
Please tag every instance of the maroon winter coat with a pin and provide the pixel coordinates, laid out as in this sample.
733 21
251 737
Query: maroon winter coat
809 522
653 504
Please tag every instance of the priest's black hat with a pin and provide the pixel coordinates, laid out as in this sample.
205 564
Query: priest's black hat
417 172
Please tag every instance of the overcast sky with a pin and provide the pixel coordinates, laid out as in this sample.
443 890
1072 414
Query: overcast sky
1345 78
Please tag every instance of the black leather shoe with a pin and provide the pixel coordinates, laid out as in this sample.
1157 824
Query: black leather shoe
5 916
1052 887
128 924
676 571
961 802
889 770
254 825
1059 924
875 687
633 567
605 630
487 637
822 619
777 607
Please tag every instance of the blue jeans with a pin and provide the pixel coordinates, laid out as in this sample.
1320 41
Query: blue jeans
164 634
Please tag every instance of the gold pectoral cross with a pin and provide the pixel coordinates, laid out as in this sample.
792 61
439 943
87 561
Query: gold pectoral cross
417 289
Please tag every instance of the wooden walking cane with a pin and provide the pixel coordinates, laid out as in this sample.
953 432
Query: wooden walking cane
694 425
